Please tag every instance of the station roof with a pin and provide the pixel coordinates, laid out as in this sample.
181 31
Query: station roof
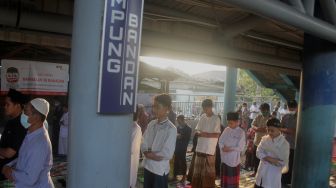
209 31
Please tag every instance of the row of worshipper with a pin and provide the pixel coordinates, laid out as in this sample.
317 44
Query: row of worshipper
159 141
288 124
25 147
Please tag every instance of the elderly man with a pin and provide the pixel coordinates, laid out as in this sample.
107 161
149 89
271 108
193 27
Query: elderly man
32 168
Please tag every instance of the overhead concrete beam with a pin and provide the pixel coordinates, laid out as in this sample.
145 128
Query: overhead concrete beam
298 5
309 6
280 11
37 21
173 47
261 83
159 11
288 81
242 26
329 9
38 38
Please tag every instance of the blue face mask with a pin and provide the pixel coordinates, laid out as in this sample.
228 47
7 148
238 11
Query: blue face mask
24 121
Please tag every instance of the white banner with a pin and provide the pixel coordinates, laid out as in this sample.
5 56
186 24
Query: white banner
32 77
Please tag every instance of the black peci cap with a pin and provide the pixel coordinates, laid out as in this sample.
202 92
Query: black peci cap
17 97
232 116
273 122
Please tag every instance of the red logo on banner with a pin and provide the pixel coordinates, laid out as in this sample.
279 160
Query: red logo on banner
12 75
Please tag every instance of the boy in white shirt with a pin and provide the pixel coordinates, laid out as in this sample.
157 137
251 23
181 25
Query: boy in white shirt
208 130
273 152
158 144
231 144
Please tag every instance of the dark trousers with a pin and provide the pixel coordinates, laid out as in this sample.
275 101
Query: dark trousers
256 186
218 161
287 178
180 163
256 159
152 180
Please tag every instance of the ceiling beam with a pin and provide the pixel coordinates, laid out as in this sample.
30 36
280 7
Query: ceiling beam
169 46
163 12
242 26
282 12
37 38
14 52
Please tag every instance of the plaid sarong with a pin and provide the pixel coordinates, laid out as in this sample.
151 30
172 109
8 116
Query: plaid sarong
204 175
6 184
229 176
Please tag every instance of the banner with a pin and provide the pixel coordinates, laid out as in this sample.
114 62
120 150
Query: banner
32 77
119 56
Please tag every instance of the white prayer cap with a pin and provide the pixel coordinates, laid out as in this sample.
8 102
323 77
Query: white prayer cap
41 105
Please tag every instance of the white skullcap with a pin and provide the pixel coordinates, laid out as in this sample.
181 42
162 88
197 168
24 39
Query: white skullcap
41 105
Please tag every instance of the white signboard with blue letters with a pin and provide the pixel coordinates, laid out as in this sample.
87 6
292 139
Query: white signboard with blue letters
119 56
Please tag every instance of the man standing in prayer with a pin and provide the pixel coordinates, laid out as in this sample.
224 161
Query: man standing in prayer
208 129
63 133
15 128
182 141
254 111
32 168
288 124
259 126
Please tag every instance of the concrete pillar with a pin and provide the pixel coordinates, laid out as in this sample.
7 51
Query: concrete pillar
297 96
99 153
229 91
317 117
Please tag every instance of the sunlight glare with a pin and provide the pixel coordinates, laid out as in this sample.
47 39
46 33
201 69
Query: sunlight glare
187 67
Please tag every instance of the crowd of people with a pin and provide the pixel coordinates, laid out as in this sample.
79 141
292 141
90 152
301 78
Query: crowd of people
265 137
25 148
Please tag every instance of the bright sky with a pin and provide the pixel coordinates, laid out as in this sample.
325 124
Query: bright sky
185 66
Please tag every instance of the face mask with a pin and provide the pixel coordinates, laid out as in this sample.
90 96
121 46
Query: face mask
24 121
292 112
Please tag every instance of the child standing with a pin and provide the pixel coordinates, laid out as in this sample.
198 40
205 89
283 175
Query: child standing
273 152
249 154
158 144
231 143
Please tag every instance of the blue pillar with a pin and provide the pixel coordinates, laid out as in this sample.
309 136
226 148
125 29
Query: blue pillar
229 91
99 144
315 130
297 96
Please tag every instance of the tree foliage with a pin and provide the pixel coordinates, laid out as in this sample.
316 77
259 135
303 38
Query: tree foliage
249 90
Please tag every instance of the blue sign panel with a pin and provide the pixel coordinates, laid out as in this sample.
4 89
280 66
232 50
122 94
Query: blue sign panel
119 56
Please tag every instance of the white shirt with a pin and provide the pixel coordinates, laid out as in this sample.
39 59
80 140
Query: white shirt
32 167
209 125
161 139
268 175
283 112
234 138
135 152
254 111
64 125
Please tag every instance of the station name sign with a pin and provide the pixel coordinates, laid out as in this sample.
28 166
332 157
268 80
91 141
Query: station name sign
120 56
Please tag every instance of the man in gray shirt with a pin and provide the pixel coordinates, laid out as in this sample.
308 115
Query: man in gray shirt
288 124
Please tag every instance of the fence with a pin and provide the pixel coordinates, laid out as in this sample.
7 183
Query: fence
194 109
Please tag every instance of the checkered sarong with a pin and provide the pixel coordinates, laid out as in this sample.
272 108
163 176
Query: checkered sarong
229 176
